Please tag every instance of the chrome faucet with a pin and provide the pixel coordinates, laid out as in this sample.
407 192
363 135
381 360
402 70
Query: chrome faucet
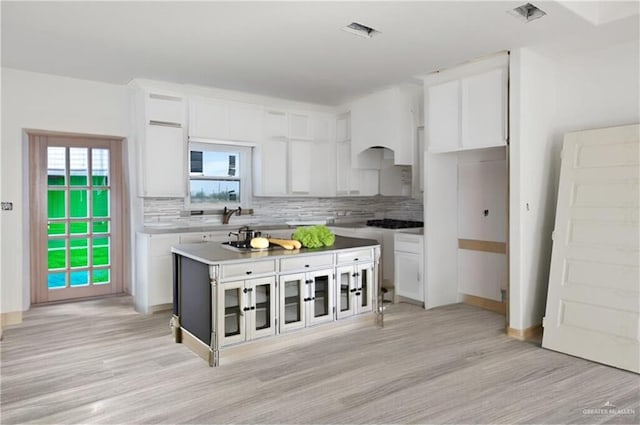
227 213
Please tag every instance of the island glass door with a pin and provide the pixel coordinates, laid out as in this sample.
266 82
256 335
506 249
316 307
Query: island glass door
346 299
293 293
75 217
261 307
320 308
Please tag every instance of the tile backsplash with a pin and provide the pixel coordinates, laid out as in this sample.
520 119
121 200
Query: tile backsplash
280 210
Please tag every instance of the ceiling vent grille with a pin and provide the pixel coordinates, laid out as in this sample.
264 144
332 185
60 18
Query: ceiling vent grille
361 30
527 12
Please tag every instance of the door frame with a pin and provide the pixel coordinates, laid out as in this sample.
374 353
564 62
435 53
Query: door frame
38 202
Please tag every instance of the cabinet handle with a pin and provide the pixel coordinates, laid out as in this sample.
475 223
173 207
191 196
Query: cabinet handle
306 265
312 298
353 290
308 281
359 289
357 293
249 272
246 309
307 299
253 307
355 274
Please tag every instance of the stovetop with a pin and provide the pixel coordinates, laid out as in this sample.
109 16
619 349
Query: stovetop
389 223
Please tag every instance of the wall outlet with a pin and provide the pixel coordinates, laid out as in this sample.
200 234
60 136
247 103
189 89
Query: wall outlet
7 206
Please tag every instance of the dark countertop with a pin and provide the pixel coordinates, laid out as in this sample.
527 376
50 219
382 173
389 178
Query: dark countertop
213 253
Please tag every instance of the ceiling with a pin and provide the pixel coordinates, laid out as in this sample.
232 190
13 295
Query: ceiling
291 50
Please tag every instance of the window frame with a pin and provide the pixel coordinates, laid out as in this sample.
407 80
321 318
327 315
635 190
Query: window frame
245 165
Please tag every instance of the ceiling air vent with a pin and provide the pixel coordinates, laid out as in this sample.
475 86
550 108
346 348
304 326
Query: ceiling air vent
527 12
361 30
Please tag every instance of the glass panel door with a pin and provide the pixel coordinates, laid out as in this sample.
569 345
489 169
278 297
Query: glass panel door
365 287
346 292
262 306
232 308
293 292
79 221
321 301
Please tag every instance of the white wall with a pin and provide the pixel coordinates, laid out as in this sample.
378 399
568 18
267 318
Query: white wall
532 190
43 102
590 89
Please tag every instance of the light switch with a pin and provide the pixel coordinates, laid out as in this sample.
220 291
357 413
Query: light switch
7 206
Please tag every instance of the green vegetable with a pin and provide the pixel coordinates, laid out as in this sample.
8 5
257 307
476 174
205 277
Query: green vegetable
314 236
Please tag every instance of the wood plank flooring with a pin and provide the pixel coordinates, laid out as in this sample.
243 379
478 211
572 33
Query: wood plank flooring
100 362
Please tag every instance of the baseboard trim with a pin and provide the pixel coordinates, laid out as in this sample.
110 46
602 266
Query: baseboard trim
534 333
11 318
485 303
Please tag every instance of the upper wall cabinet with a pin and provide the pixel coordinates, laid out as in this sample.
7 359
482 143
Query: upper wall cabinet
387 118
159 123
225 120
295 157
466 107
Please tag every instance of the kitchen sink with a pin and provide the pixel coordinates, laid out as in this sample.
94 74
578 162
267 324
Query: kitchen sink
241 246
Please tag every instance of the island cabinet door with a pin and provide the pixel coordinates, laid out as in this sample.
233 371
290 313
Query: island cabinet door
320 302
346 287
231 313
364 287
261 307
293 295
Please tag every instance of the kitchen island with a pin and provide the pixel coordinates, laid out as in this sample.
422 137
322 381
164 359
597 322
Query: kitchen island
225 297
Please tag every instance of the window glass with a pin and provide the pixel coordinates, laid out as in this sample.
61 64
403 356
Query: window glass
218 174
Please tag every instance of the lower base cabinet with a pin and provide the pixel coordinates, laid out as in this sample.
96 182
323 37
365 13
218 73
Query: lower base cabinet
306 299
355 289
246 310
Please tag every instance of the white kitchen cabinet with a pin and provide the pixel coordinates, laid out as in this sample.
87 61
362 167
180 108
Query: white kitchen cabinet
276 124
300 127
154 272
484 109
270 170
163 161
218 119
246 310
306 299
443 116
408 266
311 169
162 143
245 121
354 289
208 119
386 118
343 131
300 162
466 107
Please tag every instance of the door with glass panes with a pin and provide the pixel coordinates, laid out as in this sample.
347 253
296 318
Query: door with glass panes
246 310
76 222
306 299
355 289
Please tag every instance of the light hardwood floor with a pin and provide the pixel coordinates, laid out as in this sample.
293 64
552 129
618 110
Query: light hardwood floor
100 362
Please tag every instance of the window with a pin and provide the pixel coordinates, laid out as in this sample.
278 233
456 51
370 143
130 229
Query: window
219 175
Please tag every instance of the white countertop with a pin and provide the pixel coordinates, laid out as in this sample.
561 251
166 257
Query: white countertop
213 253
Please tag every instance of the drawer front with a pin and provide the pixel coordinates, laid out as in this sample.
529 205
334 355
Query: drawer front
302 263
250 268
409 243
355 256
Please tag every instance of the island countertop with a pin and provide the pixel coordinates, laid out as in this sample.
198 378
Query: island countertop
213 253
